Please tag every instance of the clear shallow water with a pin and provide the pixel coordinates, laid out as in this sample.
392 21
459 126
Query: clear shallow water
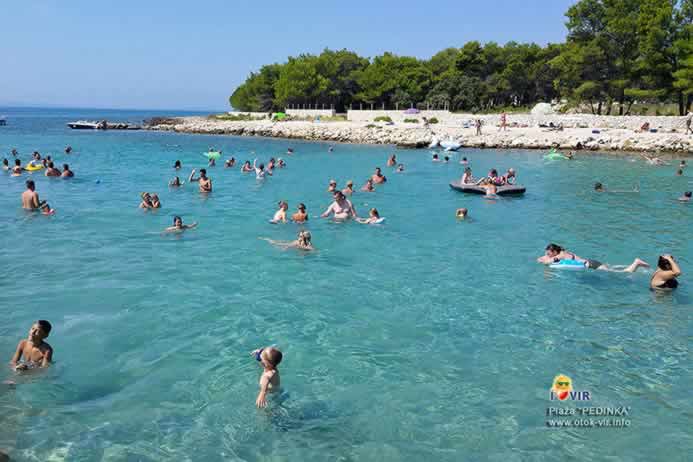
423 338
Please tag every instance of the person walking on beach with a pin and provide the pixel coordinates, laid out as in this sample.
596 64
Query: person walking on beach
204 182
477 124
689 119
503 122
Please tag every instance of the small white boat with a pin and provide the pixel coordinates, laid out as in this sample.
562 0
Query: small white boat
450 145
84 125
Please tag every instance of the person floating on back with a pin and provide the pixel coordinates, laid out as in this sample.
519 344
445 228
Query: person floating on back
33 349
269 357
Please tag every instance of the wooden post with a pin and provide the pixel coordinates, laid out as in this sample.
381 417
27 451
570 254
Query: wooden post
371 106
360 106
396 106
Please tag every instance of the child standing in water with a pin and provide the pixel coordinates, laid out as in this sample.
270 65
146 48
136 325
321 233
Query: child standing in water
269 357
35 351
280 215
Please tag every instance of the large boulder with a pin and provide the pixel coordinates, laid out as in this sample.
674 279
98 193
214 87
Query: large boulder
542 109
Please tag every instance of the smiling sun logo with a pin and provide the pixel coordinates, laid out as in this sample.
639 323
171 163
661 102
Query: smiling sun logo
562 386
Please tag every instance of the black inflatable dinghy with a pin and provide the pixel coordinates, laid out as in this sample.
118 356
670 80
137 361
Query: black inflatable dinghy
507 190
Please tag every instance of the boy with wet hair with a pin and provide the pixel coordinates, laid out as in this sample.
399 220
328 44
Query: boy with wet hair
33 349
269 357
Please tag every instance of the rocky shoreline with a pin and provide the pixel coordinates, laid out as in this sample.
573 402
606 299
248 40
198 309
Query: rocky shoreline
572 137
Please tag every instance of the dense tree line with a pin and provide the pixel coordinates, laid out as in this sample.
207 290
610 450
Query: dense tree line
617 52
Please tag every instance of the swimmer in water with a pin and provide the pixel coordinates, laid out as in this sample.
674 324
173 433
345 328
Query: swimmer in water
653 160
686 197
177 165
47 210
212 162
230 162
270 165
33 349
373 217
666 273
246 168
301 216
341 208
68 150
281 163
682 164
51 170
349 189
598 187
461 213
156 203
178 225
280 215
435 158
464 161
260 172
146 201
270 358
204 182
555 253
378 177
289 151
6 165
392 161
332 187
14 152
489 186
446 159
30 198
400 168
302 242
330 149
679 172
67 173
175 182
17 169
368 187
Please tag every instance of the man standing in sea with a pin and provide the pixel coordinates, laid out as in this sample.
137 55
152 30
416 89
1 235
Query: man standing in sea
30 198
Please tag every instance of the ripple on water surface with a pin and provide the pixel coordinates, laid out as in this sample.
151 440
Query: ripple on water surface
425 337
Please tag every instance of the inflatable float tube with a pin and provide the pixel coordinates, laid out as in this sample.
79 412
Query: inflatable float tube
33 168
571 265
555 155
212 155
508 190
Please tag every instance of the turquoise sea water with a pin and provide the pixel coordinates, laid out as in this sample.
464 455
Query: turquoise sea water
425 338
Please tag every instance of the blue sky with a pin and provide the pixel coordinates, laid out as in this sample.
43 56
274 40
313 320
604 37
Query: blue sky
192 54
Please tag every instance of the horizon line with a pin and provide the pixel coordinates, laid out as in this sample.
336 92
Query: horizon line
59 106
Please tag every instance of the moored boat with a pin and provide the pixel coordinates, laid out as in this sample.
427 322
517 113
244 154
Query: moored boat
84 125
